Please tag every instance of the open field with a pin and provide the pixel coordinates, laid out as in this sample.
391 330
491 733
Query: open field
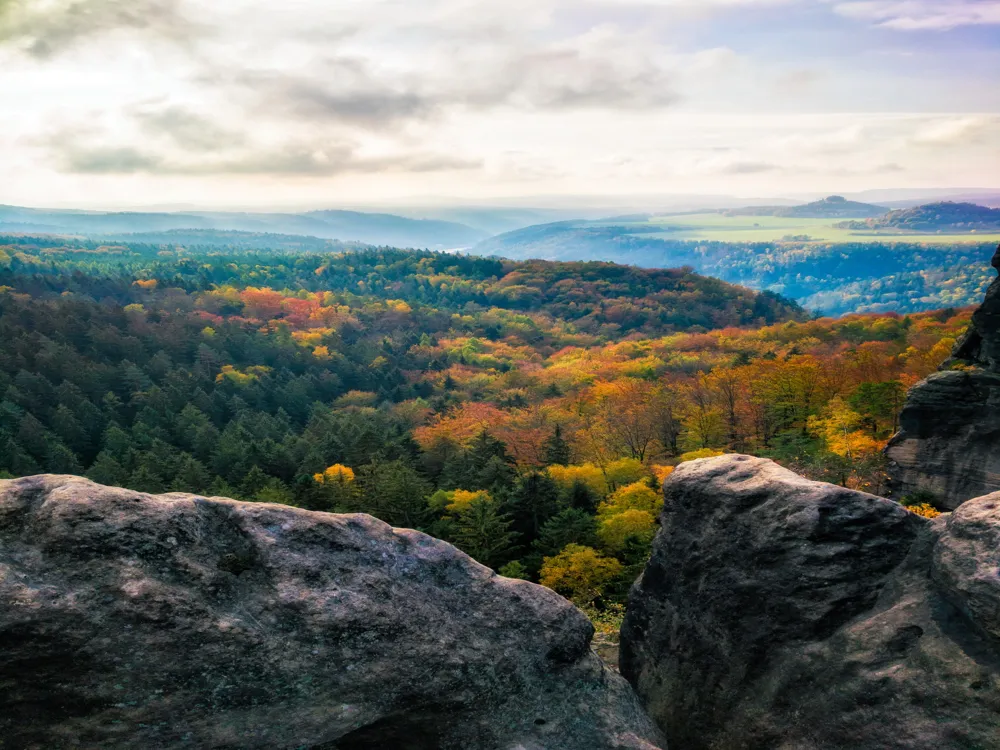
713 226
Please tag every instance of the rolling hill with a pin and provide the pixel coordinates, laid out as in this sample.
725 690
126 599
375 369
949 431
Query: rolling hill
946 216
348 226
833 207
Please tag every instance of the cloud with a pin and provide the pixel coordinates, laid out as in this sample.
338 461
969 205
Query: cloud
922 15
602 68
799 81
342 89
106 160
75 153
749 167
958 131
44 29
187 129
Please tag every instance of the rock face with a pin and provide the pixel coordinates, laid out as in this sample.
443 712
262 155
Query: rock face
778 613
133 621
949 434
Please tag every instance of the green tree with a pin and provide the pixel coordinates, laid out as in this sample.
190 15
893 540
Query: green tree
192 476
484 532
557 449
144 479
393 492
569 526
61 460
106 470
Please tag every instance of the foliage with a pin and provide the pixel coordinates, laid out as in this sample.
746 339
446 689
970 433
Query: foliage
841 274
525 412
924 509
336 473
580 573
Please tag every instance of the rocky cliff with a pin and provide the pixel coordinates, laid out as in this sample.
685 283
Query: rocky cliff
781 613
133 621
947 445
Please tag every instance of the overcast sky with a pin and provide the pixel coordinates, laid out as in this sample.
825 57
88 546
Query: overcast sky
319 102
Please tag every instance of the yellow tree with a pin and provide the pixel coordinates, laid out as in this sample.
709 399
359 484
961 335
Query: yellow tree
614 531
579 573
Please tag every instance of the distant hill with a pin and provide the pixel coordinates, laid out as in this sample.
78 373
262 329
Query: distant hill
348 226
833 207
862 275
234 240
946 216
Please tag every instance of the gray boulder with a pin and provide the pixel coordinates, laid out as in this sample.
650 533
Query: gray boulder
947 445
133 621
777 613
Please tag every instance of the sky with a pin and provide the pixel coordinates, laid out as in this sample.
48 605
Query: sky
124 103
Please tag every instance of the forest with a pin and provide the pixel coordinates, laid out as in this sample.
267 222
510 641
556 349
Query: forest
869 274
525 411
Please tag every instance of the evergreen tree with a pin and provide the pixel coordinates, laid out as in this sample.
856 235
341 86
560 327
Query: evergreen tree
557 449
533 500
393 492
484 532
569 526
254 481
61 460
106 470
192 476
581 497
145 479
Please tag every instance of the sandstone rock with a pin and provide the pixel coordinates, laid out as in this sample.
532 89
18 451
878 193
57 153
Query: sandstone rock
948 444
949 433
778 613
133 621
981 343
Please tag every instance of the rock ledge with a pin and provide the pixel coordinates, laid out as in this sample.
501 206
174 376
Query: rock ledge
176 621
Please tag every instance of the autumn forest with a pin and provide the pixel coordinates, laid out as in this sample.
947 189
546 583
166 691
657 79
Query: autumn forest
525 411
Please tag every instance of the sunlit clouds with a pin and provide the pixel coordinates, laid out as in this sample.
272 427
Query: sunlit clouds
250 103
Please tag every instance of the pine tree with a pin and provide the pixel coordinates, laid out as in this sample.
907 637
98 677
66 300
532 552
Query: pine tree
106 470
569 526
533 500
145 479
254 481
557 449
484 532
192 476
61 460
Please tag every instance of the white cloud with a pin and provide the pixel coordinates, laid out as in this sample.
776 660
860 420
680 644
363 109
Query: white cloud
923 15
178 99
959 131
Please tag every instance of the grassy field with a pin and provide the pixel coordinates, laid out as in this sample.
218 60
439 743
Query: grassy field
774 228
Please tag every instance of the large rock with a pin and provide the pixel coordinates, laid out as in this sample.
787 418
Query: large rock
133 621
948 446
981 343
778 613
947 449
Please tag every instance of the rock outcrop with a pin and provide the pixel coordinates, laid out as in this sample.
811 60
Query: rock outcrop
947 445
777 613
133 621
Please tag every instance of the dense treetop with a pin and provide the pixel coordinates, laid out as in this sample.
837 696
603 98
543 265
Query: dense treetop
525 411
868 275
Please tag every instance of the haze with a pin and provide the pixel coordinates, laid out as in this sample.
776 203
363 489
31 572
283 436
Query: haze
121 103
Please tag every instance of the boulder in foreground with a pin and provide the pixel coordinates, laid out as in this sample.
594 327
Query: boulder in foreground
781 613
133 621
